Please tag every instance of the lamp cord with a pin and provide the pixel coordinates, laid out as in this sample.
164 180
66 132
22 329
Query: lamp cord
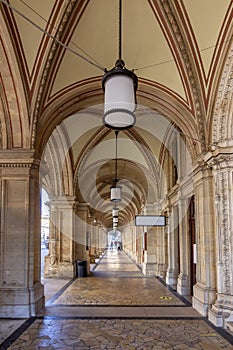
120 29
53 37
51 25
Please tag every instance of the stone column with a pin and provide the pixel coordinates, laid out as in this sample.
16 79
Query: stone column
21 293
172 271
93 239
139 235
60 261
102 239
183 282
150 262
81 230
162 251
204 292
222 310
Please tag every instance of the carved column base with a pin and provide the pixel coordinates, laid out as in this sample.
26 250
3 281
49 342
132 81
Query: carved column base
183 285
161 270
50 270
21 303
60 270
171 279
149 269
66 270
203 298
222 311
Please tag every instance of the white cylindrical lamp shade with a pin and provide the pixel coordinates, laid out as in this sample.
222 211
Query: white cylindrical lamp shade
115 212
119 100
115 193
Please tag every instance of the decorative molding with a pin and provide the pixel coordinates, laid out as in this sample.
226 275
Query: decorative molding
222 165
0 135
199 110
45 75
224 234
223 107
17 165
19 159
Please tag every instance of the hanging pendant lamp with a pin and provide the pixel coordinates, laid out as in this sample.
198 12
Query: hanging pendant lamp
115 189
119 86
115 212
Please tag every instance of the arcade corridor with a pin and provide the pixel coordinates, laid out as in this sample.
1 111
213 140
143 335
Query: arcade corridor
116 307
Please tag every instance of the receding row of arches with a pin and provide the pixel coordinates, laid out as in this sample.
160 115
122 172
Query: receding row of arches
177 161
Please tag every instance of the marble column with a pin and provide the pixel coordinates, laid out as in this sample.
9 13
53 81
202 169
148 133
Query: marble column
222 310
172 271
150 259
102 239
81 230
93 239
204 292
21 292
183 282
60 260
162 251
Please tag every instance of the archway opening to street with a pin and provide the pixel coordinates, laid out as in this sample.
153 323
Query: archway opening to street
114 240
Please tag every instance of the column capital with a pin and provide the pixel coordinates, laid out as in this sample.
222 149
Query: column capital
219 157
61 202
19 159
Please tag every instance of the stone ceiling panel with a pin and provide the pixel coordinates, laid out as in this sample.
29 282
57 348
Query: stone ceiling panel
206 21
38 12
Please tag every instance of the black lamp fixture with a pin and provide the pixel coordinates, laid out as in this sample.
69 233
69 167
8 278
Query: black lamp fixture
119 86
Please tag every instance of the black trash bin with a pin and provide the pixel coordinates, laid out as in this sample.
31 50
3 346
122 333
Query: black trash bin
81 268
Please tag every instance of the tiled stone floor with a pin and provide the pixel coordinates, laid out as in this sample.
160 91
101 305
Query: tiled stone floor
116 291
119 334
117 308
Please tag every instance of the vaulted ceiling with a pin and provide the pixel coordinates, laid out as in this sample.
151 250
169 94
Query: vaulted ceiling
61 48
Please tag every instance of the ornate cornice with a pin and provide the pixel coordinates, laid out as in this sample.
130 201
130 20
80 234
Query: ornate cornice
219 158
18 159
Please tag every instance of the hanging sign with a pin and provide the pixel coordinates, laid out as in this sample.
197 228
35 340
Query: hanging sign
150 220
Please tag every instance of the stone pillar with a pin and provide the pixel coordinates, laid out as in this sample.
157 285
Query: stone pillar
21 293
81 230
183 282
173 264
93 239
139 244
162 251
222 310
150 262
204 292
101 239
60 261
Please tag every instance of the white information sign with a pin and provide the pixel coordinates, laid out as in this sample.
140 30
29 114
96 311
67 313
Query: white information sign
150 220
